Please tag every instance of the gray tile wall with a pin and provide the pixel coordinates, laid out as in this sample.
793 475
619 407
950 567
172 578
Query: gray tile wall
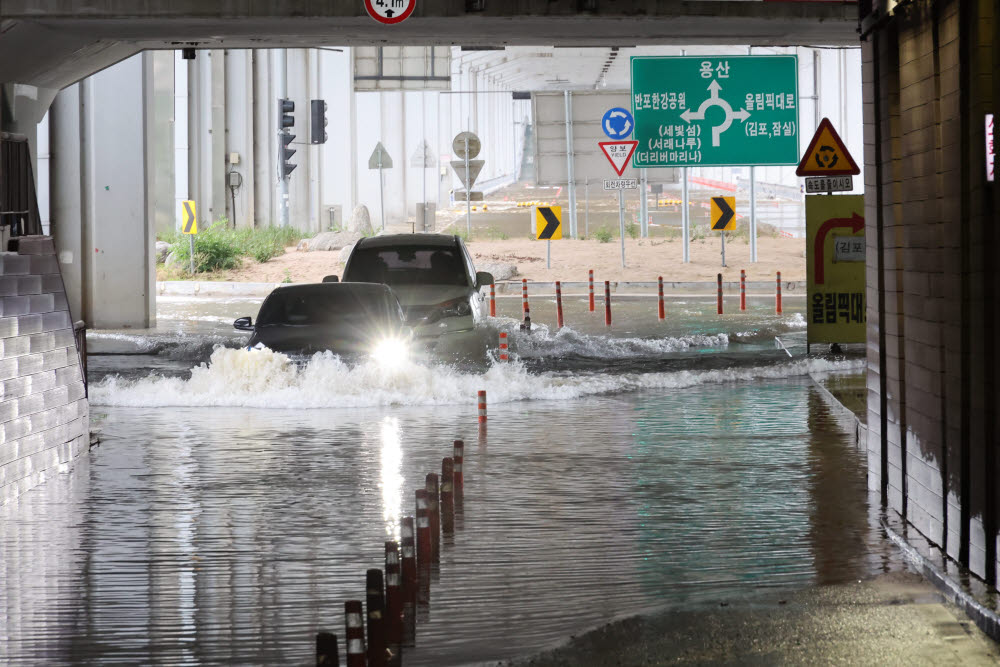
44 416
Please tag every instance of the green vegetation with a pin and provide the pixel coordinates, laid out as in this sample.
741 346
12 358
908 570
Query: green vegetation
603 234
494 233
632 230
219 248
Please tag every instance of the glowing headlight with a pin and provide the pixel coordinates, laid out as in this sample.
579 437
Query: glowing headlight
391 351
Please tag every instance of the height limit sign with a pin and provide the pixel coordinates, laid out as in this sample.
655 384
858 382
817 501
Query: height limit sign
390 11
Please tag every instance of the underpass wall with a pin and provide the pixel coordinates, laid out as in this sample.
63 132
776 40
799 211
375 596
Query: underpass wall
44 415
932 322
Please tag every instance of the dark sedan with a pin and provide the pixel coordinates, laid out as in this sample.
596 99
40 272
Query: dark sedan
348 319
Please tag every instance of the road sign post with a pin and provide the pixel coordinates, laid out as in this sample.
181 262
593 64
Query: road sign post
548 226
723 217
467 146
380 159
618 154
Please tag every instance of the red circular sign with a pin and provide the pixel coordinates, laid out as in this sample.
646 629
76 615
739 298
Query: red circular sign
390 11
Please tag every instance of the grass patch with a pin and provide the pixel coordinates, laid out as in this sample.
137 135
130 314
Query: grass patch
632 230
219 248
603 234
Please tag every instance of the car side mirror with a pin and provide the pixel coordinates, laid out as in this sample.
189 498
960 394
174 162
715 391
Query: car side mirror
483 279
331 279
243 324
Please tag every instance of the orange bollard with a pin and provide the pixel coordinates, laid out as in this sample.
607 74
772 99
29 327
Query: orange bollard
559 313
524 298
447 496
355 633
591 280
393 597
434 514
661 311
719 298
376 618
408 556
458 456
482 406
326 650
743 289
777 296
423 530
493 300
607 303
503 347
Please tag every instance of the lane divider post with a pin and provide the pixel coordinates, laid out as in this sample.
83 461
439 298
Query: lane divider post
375 596
525 310
607 303
591 281
719 297
503 347
493 300
448 496
423 530
660 310
355 627
777 296
326 650
408 556
432 487
743 290
559 310
458 456
393 597
482 407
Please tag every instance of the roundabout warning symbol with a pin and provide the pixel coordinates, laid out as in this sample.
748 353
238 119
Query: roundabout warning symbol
390 11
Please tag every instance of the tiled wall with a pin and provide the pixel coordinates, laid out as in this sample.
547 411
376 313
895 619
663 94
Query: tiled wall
933 290
44 417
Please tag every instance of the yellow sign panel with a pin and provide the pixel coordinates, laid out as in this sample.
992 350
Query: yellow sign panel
548 223
723 211
835 262
827 155
189 221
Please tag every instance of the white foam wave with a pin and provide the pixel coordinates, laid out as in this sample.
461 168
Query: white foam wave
265 379
541 342
796 321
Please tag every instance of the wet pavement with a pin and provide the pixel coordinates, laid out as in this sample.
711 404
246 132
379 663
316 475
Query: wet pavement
231 510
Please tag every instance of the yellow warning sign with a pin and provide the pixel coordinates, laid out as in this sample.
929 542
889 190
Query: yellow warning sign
189 221
723 210
835 262
548 223
827 155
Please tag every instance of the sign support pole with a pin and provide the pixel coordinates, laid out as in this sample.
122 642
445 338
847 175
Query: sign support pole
723 249
753 216
643 205
621 222
468 192
685 217
381 187
548 253
586 215
191 238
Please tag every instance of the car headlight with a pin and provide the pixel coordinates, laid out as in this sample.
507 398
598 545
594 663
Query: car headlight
455 308
389 352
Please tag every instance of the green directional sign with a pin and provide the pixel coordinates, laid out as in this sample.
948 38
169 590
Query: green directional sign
714 111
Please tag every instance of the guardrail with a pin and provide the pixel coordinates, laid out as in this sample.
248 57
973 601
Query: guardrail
80 333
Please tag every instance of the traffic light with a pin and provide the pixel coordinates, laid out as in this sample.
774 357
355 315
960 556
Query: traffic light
317 127
285 109
286 154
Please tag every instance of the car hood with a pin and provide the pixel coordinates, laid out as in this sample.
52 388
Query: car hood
428 295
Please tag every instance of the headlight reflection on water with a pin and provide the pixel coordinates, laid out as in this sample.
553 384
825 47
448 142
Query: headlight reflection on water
392 476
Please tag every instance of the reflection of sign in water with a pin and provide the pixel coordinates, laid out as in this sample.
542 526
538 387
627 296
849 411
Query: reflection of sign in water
715 110
990 152
835 242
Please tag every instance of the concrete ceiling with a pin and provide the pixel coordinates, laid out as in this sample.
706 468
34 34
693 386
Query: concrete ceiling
52 43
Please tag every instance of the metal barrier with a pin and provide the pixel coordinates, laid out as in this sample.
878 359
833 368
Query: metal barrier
80 333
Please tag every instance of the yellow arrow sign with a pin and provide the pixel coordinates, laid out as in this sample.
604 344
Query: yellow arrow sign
723 214
548 223
188 218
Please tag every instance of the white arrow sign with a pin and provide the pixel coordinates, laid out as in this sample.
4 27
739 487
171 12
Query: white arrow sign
715 101
475 166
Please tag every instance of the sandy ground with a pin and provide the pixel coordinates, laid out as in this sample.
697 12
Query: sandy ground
645 260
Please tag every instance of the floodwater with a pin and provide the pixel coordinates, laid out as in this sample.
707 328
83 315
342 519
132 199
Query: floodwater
232 508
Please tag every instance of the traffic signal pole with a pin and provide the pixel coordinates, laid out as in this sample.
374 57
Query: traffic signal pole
281 88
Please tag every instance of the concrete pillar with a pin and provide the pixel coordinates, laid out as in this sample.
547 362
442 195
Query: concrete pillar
264 129
163 109
182 148
206 125
239 113
66 196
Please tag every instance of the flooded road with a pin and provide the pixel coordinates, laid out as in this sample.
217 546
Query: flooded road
231 510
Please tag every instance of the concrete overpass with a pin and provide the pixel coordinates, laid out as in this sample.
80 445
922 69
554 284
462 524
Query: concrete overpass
929 77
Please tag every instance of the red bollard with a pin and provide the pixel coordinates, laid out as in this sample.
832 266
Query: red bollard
434 514
393 596
355 633
493 300
524 298
719 298
559 313
503 347
743 289
408 556
661 311
458 456
423 529
591 280
607 303
326 650
375 604
777 296
447 496
482 406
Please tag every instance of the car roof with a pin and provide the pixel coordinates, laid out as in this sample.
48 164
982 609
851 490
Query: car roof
369 289
392 240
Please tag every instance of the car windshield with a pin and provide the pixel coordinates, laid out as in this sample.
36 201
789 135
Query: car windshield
307 306
408 265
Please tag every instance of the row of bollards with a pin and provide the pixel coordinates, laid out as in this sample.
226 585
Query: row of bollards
661 307
377 630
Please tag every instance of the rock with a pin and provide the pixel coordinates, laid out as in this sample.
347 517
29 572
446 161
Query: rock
162 250
345 253
170 259
329 241
499 270
361 221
